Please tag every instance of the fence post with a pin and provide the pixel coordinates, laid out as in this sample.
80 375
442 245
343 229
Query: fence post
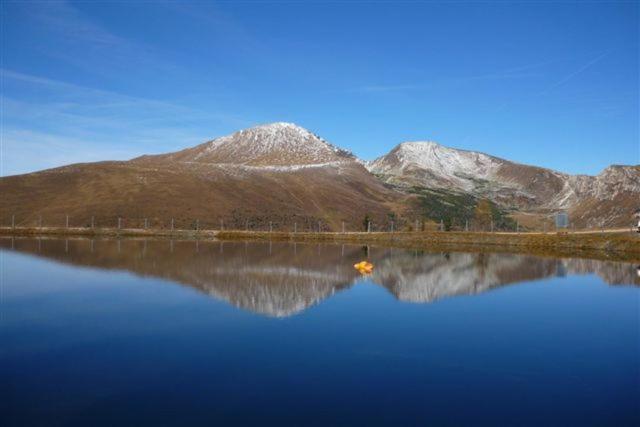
270 227
13 221
197 224
343 227
517 226
295 227
368 226
119 223
221 224
466 225
492 226
441 225
392 226
246 225
171 224
416 227
40 221
67 223
93 221
319 227
145 223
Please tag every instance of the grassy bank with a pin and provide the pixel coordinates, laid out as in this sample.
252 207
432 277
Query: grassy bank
620 246
107 232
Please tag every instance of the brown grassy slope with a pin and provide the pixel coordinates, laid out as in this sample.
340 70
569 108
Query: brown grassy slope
134 190
619 211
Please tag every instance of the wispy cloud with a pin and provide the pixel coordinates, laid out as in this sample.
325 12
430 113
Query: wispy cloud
83 123
575 73
66 122
387 88
63 18
26 151
513 73
80 41
94 98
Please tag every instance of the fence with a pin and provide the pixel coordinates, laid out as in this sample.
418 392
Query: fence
266 224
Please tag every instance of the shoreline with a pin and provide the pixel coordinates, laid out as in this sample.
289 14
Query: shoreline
609 245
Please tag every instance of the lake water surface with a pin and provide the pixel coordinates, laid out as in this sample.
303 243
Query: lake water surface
159 332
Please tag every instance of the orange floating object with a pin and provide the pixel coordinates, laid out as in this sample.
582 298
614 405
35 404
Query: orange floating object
364 267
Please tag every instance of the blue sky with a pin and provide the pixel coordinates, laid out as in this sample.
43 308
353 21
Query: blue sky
548 83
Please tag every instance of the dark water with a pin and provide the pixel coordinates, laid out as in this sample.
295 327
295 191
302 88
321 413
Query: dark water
139 332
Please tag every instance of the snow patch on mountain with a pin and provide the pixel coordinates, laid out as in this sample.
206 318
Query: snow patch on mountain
269 168
436 165
275 144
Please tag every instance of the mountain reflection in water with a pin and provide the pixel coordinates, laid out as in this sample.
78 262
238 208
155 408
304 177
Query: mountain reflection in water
282 279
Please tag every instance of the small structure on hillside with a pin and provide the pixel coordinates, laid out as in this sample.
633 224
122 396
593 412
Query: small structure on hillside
562 220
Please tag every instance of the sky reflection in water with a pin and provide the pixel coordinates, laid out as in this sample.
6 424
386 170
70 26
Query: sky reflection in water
182 332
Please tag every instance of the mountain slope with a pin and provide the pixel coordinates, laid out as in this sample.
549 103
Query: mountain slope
613 194
281 174
276 173
272 146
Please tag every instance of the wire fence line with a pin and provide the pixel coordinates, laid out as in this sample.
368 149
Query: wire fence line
295 225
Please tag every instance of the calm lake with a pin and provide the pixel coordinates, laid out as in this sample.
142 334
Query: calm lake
159 332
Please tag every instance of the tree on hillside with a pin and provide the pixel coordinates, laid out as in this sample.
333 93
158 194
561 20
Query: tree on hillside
483 215
365 222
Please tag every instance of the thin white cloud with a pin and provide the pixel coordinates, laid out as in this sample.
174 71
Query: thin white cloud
67 123
28 151
93 98
516 73
83 43
387 88
575 73
63 18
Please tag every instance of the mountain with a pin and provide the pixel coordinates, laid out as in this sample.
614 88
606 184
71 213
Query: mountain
285 176
610 198
277 146
278 173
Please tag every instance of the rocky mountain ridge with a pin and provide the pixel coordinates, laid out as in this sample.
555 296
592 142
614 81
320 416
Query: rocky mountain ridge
513 185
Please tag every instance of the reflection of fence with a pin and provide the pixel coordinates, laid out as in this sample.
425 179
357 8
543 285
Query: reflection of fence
291 225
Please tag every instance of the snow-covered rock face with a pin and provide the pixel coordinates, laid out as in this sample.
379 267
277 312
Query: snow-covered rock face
436 166
509 184
275 144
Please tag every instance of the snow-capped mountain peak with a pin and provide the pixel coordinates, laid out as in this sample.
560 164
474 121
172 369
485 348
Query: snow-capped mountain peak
430 154
437 165
274 145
